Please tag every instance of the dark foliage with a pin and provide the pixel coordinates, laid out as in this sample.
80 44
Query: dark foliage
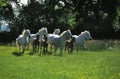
100 17
8 37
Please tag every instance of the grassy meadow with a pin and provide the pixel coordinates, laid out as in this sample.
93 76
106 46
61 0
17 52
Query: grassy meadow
100 61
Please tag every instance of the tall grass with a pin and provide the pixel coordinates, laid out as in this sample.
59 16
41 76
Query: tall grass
100 61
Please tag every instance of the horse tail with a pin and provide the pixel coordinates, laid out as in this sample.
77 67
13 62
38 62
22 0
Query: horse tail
17 43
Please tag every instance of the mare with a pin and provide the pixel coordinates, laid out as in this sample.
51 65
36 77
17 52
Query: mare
37 38
60 40
80 39
41 32
51 36
22 40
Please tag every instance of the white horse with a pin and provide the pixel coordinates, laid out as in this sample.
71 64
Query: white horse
80 39
51 36
43 31
60 40
22 40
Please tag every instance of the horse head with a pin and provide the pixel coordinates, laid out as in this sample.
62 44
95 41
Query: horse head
46 32
26 33
87 35
42 31
56 31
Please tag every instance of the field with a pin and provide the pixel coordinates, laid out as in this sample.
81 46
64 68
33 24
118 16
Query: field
100 61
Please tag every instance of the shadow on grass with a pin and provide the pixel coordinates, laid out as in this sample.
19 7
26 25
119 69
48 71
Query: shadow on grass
17 54
31 53
49 53
42 53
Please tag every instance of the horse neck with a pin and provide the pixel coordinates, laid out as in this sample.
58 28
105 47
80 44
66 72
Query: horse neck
39 33
25 36
63 36
82 37
54 32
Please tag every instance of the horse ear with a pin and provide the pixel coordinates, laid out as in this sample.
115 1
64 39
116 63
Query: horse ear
86 31
42 28
28 30
68 30
82 32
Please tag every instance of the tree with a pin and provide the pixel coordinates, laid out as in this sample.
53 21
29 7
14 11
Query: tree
93 15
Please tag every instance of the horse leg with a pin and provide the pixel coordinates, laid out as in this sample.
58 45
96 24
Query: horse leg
33 46
60 52
27 46
46 47
18 45
76 48
61 48
55 49
40 48
22 49
51 47
71 49
85 46
65 47
68 49
37 47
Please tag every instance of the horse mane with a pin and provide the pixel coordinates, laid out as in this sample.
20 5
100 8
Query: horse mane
84 32
24 32
63 33
41 29
28 31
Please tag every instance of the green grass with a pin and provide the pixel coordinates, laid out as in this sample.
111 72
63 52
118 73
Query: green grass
99 62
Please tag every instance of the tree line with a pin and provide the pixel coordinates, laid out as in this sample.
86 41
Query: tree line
100 17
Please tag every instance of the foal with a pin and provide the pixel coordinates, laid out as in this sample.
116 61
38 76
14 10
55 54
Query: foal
69 45
35 43
44 44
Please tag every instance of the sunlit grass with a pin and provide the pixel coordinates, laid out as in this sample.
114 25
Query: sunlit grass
99 62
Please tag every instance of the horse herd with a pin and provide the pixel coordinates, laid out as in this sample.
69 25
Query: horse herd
42 39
